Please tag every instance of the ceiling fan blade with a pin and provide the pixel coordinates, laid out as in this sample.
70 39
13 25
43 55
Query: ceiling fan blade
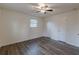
49 10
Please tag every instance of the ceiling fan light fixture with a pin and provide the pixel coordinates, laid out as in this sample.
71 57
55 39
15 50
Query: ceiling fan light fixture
43 8
41 4
42 11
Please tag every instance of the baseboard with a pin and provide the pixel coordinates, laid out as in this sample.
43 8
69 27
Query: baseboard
65 42
21 41
72 44
68 44
37 38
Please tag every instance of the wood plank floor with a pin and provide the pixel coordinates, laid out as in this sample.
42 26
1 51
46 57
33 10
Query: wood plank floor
39 46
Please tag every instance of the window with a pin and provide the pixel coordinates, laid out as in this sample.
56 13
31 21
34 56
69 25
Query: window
33 23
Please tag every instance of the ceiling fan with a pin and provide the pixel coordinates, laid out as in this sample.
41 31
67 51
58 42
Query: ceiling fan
43 8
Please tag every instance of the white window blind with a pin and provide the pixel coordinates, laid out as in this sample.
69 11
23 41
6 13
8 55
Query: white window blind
33 23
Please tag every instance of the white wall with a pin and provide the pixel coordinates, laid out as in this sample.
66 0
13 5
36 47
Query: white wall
64 27
55 26
72 26
15 27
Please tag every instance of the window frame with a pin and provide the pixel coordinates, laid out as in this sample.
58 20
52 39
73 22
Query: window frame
33 23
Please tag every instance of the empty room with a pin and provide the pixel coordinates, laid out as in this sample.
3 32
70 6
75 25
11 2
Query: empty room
39 28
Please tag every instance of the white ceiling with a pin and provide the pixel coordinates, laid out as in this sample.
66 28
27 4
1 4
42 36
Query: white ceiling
27 8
